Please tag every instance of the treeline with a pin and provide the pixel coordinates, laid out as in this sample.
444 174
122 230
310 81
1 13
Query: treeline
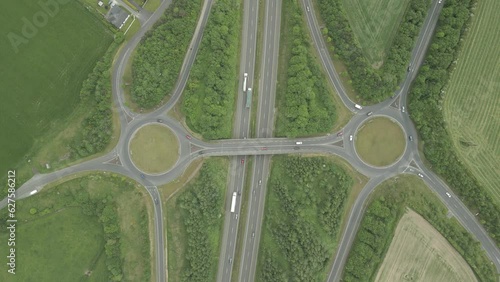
426 99
158 60
201 208
306 104
210 92
372 241
378 225
306 201
97 127
373 85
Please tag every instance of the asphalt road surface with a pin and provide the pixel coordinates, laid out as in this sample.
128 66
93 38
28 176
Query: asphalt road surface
118 160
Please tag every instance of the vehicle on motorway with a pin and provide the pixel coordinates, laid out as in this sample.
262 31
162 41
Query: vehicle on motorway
33 192
242 161
448 194
410 137
421 175
233 203
403 109
159 120
230 260
358 107
340 133
236 216
350 137
245 82
188 137
260 182
369 113
253 234
264 148
298 143
249 98
143 176
440 1
308 9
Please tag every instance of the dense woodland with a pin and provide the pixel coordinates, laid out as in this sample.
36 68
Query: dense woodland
201 206
426 99
159 57
373 85
211 89
381 217
306 104
303 215
97 127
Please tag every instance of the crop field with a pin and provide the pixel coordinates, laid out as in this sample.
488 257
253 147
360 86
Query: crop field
45 60
59 240
472 101
374 24
418 252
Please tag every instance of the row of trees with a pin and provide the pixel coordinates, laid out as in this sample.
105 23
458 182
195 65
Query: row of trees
201 208
209 96
370 84
372 241
97 127
158 60
377 229
299 219
306 104
426 100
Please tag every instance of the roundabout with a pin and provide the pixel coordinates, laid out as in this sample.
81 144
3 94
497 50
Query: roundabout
154 149
380 141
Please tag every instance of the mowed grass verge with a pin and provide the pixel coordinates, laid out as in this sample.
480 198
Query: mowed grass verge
195 218
472 100
42 76
154 149
60 239
418 252
374 24
380 141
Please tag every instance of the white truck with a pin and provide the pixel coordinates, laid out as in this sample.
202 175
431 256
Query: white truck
245 76
233 202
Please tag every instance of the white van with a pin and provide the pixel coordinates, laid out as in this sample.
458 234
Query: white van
358 107
298 143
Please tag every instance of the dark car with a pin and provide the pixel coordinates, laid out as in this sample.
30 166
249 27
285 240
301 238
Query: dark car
188 137
340 133
159 120
242 161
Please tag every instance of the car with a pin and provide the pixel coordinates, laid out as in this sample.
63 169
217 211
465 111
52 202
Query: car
403 109
369 113
308 8
448 194
159 120
260 182
253 234
410 137
350 137
236 215
263 148
340 133
33 192
230 260
440 1
298 143
242 161
188 137
143 176
421 175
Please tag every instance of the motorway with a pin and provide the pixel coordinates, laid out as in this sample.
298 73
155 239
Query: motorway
118 160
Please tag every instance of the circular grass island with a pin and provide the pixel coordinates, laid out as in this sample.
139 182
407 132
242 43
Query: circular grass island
380 141
154 149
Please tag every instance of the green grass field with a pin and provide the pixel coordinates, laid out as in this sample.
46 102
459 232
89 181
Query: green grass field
60 243
380 141
472 100
154 149
42 76
374 24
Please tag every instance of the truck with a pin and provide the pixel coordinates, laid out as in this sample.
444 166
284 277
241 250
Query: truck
245 82
233 202
358 106
249 97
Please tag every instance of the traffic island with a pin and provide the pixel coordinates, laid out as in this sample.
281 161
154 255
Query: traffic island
154 149
380 141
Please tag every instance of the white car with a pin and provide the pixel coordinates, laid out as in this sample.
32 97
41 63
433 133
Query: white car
350 137
236 216
440 1
403 109
260 182
448 194
33 192
421 175
310 10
